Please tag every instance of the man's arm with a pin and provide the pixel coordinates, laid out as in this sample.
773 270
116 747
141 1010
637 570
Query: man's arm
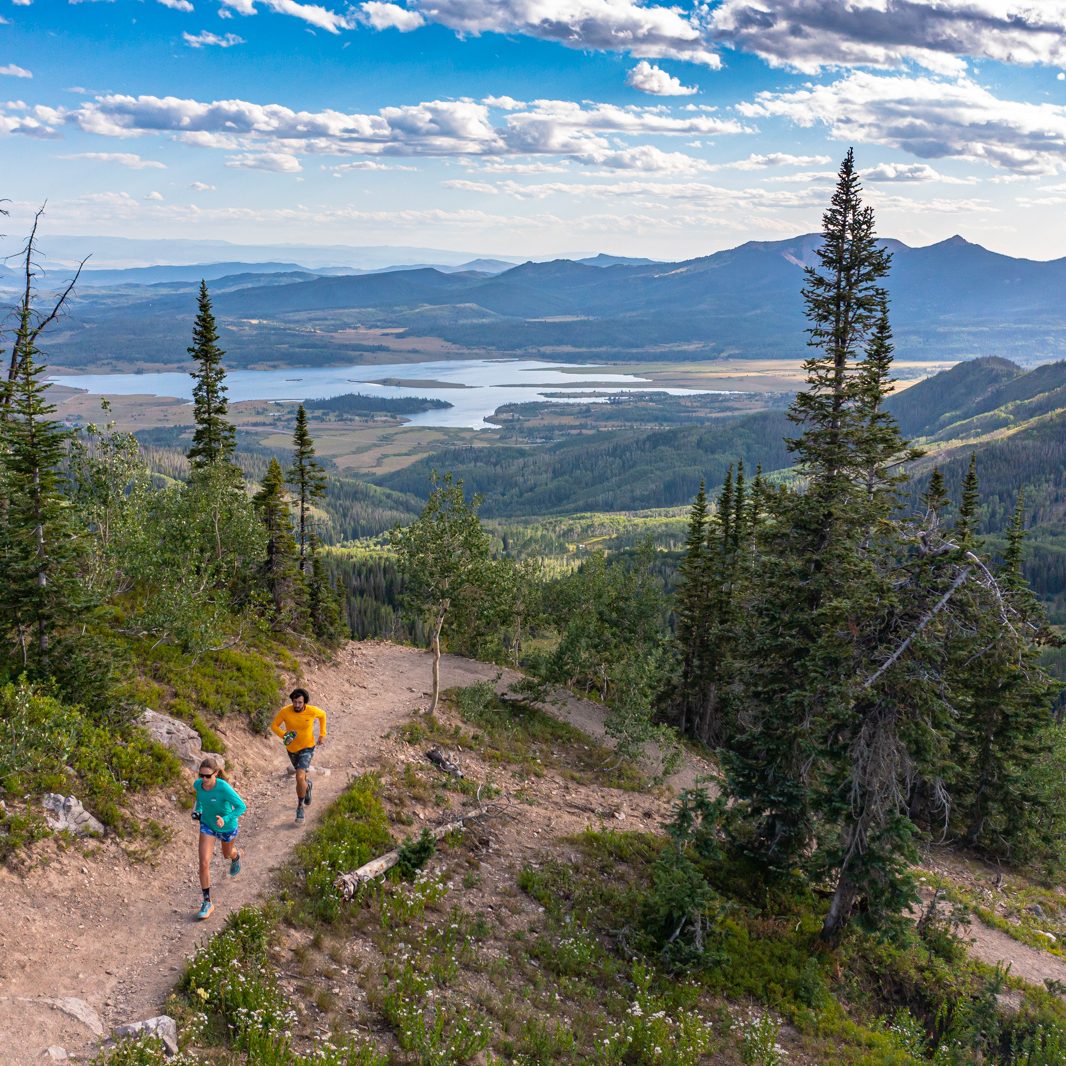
321 716
275 726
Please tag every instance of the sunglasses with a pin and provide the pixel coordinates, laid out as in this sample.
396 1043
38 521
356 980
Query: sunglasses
208 776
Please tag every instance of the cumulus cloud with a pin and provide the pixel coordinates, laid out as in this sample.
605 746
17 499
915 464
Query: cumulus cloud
384 16
808 35
13 71
277 162
588 132
928 118
206 38
652 79
124 159
778 159
315 15
648 31
177 5
901 172
201 186
365 164
155 196
504 103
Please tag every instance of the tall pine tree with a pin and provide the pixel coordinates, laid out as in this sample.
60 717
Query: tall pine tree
280 570
214 438
39 588
308 479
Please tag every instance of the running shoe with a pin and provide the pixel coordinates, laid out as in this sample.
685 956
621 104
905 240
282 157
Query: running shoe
206 910
307 794
300 813
235 865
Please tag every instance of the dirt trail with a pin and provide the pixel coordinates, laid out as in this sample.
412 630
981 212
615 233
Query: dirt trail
90 939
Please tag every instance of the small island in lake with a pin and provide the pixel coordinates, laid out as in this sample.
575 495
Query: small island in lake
356 403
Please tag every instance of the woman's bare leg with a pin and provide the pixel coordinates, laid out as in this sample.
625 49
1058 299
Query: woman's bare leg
207 849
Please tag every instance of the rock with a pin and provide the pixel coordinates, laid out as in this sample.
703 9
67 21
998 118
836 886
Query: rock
1050 936
179 737
66 812
1036 909
315 771
55 1053
77 1009
162 1026
219 760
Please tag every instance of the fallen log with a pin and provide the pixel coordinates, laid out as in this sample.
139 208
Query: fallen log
349 884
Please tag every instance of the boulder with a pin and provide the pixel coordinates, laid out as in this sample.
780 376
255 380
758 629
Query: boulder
55 1053
179 737
162 1026
66 812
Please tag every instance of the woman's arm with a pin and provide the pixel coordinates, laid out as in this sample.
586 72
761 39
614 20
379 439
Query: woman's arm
238 805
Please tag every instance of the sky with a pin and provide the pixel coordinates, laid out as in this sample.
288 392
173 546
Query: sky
533 127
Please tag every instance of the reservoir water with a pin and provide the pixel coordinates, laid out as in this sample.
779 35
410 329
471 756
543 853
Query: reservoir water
475 387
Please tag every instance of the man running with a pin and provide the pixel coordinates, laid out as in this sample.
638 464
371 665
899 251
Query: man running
295 724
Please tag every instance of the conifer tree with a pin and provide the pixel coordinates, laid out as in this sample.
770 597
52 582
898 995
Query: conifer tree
936 496
280 571
323 602
214 439
971 500
39 587
691 602
308 479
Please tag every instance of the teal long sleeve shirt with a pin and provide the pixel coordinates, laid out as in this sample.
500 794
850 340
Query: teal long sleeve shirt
220 800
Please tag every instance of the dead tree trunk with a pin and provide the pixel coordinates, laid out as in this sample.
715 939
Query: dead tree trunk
349 884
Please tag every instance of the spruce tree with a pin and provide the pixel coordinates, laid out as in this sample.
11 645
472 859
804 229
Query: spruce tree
308 479
690 606
323 601
39 589
965 528
279 570
214 439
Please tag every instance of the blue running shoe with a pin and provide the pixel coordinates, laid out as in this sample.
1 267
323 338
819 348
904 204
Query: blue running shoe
235 865
307 794
206 910
300 813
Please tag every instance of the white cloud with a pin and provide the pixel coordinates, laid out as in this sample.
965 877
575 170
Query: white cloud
124 159
902 172
777 159
202 186
384 16
200 40
504 103
647 31
277 162
320 17
157 197
808 35
928 118
13 71
648 158
587 132
177 5
652 79
365 164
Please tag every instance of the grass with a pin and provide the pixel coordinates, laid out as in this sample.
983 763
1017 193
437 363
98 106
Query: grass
522 736
353 831
211 685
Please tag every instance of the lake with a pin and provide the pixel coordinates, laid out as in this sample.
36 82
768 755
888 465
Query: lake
484 385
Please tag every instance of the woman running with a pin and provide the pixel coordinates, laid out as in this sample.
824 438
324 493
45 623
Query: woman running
217 809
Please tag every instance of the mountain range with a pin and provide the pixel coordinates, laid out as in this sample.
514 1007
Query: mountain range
951 300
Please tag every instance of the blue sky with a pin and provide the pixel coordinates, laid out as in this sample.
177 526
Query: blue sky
534 127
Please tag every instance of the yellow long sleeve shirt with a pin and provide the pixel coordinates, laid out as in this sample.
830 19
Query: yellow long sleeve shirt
302 723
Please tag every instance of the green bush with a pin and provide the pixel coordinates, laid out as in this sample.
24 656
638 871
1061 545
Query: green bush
50 746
